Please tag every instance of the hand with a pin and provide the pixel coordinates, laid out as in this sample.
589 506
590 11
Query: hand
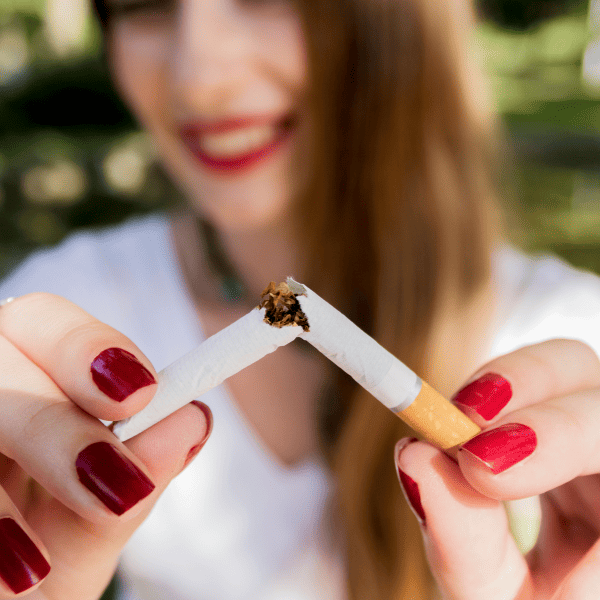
71 494
540 411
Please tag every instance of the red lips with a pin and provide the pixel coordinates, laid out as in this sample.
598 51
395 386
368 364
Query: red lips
191 133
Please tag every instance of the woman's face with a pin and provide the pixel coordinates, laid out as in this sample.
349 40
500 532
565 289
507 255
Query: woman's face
221 85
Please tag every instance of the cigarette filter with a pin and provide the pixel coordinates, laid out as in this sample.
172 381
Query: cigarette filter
382 374
292 310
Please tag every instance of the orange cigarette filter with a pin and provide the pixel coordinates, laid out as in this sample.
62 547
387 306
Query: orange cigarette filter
388 379
287 311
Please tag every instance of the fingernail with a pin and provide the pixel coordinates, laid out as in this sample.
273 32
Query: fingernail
502 447
411 493
112 477
22 565
402 444
119 373
487 396
409 486
209 425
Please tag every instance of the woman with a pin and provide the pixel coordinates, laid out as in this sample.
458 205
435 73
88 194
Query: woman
344 144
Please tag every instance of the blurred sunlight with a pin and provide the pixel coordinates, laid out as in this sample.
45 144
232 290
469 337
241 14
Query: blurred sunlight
71 156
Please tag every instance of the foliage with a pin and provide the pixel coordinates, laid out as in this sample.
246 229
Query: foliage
521 15
71 155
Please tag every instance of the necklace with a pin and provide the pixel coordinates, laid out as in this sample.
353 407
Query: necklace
232 288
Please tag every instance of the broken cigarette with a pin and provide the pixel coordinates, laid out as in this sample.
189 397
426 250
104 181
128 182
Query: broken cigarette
292 310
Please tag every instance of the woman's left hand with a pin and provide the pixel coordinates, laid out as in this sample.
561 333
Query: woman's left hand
540 410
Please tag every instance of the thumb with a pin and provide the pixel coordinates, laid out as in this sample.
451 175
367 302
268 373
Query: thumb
84 554
166 449
467 539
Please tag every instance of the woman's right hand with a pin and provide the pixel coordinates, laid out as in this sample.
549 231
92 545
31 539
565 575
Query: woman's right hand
71 494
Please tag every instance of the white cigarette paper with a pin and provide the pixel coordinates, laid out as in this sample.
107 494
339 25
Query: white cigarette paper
339 339
355 352
220 356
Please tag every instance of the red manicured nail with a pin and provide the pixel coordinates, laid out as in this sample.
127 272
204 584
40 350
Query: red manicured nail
487 396
411 493
22 565
119 373
408 485
502 447
112 477
192 454
209 419
209 426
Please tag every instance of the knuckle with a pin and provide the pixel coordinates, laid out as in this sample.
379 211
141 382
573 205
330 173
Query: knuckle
574 345
589 353
565 347
46 446
47 417
538 364
76 346
32 301
46 420
87 333
38 298
537 370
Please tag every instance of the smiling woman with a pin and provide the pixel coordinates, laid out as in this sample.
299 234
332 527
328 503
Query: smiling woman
236 144
222 88
347 144
302 125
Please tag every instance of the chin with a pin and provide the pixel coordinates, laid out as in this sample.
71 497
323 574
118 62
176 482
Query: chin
245 217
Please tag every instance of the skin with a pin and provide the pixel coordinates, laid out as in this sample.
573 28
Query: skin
211 60
556 389
164 71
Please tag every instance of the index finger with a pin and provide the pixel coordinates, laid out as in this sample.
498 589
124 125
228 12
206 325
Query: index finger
97 367
528 376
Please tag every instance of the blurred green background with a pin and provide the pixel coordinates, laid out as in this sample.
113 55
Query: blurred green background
71 156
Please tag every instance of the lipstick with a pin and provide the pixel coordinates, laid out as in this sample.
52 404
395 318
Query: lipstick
235 145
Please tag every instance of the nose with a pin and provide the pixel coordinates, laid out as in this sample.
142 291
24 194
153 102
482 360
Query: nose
211 55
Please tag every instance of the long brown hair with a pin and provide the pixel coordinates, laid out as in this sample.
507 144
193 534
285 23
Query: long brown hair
401 226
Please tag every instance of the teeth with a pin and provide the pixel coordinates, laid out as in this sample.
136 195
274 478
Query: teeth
234 143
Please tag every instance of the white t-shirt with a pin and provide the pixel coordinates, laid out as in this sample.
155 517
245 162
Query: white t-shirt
237 524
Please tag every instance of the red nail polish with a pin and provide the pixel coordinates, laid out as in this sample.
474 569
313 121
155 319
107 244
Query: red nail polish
192 454
22 565
411 493
119 373
209 419
209 425
502 447
112 477
487 396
